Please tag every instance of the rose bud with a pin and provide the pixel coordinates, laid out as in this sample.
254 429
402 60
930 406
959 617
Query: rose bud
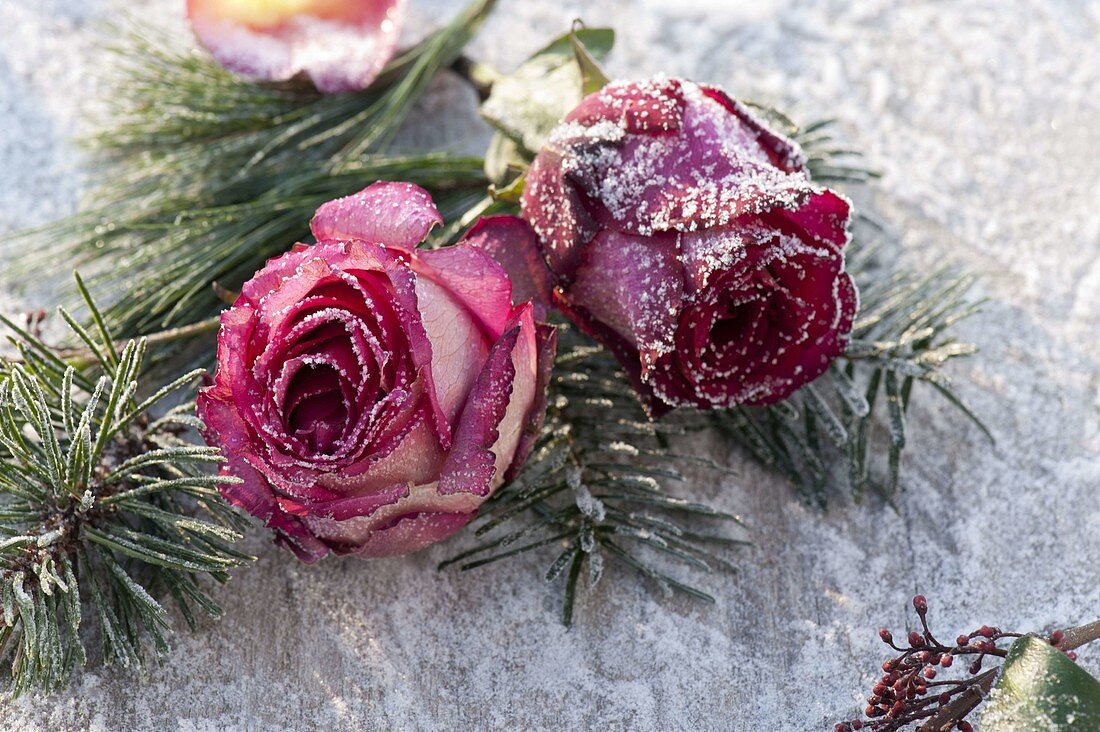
341 45
372 395
689 240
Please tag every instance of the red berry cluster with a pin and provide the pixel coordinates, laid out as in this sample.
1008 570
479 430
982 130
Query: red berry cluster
909 692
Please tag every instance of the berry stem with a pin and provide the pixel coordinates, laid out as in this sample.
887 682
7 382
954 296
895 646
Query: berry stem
948 716
1079 636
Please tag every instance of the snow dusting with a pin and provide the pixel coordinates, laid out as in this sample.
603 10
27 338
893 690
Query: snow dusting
982 118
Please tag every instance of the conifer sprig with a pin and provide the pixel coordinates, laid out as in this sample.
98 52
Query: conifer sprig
205 176
599 487
106 508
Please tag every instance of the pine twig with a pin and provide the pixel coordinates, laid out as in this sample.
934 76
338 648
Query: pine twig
594 488
205 176
103 506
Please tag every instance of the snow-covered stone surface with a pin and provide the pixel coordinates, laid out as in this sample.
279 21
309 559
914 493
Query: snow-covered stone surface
982 117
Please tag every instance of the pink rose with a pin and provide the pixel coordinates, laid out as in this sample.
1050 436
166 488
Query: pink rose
340 44
688 239
372 395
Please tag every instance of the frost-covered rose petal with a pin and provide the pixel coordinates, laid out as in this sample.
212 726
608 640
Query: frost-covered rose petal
370 395
341 45
689 239
511 241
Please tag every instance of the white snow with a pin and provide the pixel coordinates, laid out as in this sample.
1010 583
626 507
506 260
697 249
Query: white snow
983 118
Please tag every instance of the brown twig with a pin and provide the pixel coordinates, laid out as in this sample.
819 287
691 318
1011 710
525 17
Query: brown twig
1079 636
84 357
951 714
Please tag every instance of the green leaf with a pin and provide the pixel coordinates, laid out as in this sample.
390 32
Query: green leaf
1040 688
527 104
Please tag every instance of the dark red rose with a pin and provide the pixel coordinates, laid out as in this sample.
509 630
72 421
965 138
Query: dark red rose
371 395
689 239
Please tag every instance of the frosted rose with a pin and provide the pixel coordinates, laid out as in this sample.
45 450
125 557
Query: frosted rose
340 44
372 395
688 238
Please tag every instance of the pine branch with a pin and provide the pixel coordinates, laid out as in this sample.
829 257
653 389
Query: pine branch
102 507
594 488
205 176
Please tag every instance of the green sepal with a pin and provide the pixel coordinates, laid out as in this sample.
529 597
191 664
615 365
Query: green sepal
510 193
593 77
563 73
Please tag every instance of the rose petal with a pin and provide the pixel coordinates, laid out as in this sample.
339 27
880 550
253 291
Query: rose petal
651 107
823 218
546 345
714 171
512 242
556 212
478 282
412 533
633 285
624 352
459 346
394 214
341 45
415 458
471 465
784 153
342 509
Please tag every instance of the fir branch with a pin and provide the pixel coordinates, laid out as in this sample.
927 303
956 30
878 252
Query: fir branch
205 176
594 488
101 507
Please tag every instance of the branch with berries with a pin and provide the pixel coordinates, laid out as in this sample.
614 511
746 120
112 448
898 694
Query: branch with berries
911 690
